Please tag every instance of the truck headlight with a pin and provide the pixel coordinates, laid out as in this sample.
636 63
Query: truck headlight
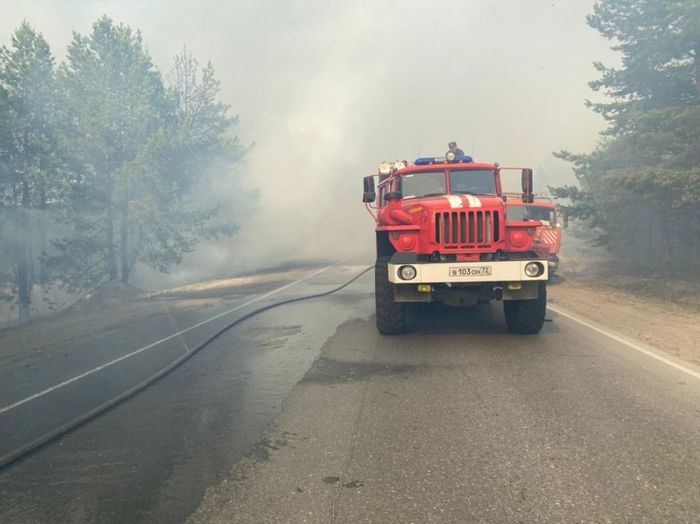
407 272
534 269
450 156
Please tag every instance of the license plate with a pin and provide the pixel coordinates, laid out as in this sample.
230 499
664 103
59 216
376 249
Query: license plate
472 271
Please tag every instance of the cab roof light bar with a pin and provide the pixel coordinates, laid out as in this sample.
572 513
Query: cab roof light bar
428 160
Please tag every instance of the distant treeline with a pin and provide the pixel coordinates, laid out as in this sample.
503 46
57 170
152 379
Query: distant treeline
103 160
640 189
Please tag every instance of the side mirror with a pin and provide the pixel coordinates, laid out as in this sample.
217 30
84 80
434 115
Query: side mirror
369 194
526 182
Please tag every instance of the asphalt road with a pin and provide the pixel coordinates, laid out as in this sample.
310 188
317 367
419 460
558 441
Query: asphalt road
153 457
456 421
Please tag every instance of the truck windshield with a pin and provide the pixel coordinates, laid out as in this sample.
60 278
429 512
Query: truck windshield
518 213
419 185
473 181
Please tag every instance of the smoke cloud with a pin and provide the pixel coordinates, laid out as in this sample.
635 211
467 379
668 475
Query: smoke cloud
328 90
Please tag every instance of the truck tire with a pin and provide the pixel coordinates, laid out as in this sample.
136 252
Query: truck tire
526 317
391 315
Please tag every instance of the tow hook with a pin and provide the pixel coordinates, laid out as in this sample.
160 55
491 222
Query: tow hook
498 292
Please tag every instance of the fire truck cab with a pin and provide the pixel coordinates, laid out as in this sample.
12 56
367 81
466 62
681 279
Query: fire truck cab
548 237
443 235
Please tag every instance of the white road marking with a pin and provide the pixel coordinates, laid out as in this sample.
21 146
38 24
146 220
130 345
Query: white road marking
169 337
637 347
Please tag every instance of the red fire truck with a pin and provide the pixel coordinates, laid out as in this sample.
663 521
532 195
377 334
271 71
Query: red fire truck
442 235
548 237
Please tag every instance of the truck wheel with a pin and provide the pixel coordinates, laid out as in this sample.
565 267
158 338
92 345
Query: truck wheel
391 315
526 317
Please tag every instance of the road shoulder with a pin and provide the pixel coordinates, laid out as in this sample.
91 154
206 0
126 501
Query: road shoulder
669 326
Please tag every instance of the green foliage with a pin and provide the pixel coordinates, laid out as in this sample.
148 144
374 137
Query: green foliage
640 188
103 163
659 44
27 155
142 148
114 103
27 100
194 144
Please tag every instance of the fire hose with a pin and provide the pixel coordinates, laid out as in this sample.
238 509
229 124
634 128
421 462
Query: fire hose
69 426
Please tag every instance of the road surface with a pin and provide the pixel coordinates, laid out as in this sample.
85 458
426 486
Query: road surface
456 421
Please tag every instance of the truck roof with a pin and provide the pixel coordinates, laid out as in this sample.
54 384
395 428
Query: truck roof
445 165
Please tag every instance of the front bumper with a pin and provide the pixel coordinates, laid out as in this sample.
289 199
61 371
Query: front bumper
467 272
553 263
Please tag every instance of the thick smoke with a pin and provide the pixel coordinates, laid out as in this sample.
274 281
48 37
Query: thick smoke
328 90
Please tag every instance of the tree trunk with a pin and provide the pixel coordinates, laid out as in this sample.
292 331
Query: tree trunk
697 65
111 254
124 245
23 288
43 235
24 260
694 216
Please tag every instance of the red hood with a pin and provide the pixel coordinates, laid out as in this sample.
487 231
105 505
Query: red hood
454 202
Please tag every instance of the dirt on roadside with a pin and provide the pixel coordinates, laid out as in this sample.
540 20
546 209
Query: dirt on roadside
664 314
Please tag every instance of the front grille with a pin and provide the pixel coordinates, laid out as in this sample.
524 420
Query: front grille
467 229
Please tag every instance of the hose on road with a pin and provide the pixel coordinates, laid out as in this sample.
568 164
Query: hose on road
60 431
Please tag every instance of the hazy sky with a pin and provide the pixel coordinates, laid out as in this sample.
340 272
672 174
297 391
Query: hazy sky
328 89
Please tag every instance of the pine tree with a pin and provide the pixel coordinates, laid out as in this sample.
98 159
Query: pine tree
639 188
115 104
142 154
28 96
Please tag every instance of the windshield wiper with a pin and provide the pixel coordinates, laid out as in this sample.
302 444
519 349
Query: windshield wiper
432 195
470 193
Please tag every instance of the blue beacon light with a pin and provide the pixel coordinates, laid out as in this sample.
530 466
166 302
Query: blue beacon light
427 160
